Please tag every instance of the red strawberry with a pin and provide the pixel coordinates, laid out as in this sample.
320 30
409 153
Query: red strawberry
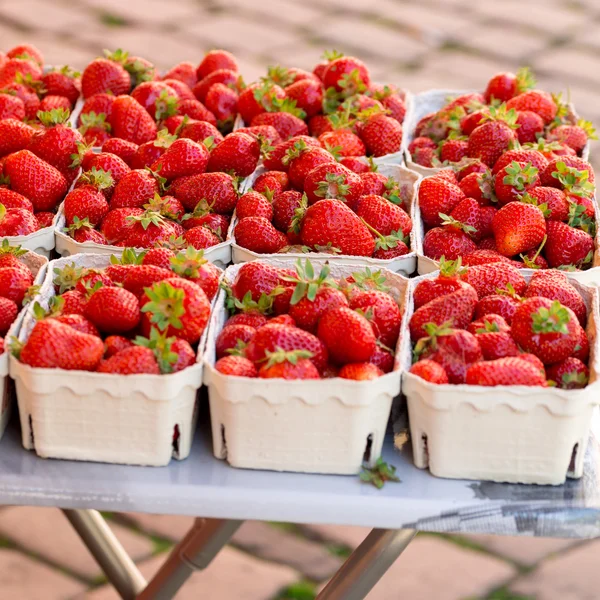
383 215
293 364
345 142
347 335
198 131
94 129
382 311
274 159
456 307
449 242
284 209
139 277
238 152
215 60
35 179
430 289
582 349
453 150
184 157
288 125
85 202
567 246
347 74
430 371
471 166
258 98
535 101
504 371
28 51
556 205
183 71
489 140
301 160
570 374
364 371
16 221
550 175
14 136
256 278
483 257
254 204
194 109
62 82
531 126
488 279
267 132
109 163
537 159
148 229
130 121
253 319
114 344
192 265
514 180
201 238
233 337
116 226
218 189
437 196
11 107
332 180
499 304
477 186
106 75
518 227
134 189
222 102
15 68
135 360
505 86
258 235
79 323
545 328
14 282
308 95
50 103
575 136
99 104
72 302
8 313
159 257
332 222
381 135
53 345
236 365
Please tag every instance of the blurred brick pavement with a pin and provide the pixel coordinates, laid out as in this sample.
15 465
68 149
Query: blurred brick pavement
416 45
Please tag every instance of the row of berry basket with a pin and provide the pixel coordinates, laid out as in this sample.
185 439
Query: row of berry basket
512 433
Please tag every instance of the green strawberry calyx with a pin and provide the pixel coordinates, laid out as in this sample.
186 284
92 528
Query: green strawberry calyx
238 350
510 291
551 320
56 116
98 178
333 186
279 356
452 222
295 151
5 246
574 181
92 120
166 105
128 257
166 306
119 55
386 242
574 379
488 327
298 218
162 206
379 474
451 268
429 342
160 345
147 218
78 224
370 280
588 128
525 80
518 176
393 192
247 304
68 277
307 284
188 264
529 199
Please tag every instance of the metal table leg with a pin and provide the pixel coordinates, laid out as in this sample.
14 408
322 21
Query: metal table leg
367 564
108 552
196 551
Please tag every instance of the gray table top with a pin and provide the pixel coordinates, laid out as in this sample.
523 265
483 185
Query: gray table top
207 487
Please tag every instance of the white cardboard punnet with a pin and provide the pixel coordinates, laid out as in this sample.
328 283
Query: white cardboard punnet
321 426
406 265
516 434
80 415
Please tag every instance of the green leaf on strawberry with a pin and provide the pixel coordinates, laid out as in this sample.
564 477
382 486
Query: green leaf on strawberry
165 306
379 474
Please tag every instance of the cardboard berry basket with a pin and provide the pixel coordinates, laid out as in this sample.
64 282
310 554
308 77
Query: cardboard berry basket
81 415
406 265
318 426
590 276
219 254
37 265
433 100
516 434
41 241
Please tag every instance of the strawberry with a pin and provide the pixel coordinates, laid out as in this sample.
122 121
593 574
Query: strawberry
214 60
11 107
483 256
505 86
28 51
332 222
194 109
159 257
35 179
453 150
381 135
567 246
467 216
94 129
109 163
83 231
504 371
218 189
157 98
253 319
274 159
258 235
45 219
238 153
11 199
551 201
344 141
62 82
364 371
183 71
192 265
77 322
53 345
489 323
488 279
184 157
489 141
85 202
134 189
106 75
347 335
166 206
266 132
72 302
254 204
148 229
15 281
308 95
131 122
514 180
135 360
453 349
448 242
563 165
288 125
518 227
16 68
201 238
236 365
222 102
258 98
382 312
139 277
456 306
116 226
355 164
149 153
285 206
256 278
570 374
430 371
575 136
50 103
437 196
226 76
332 180
178 306
16 221
302 160
549 287
114 344
545 328
383 215
84 279
198 131
347 74
430 289
535 101
202 216
294 364
232 338
14 136
99 104
531 126
8 313
500 304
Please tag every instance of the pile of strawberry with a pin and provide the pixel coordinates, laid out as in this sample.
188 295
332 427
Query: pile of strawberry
125 97
15 280
488 327
527 210
26 88
298 325
336 103
509 114
171 190
309 202
142 314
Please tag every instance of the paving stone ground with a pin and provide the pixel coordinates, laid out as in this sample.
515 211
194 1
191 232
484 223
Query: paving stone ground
416 45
